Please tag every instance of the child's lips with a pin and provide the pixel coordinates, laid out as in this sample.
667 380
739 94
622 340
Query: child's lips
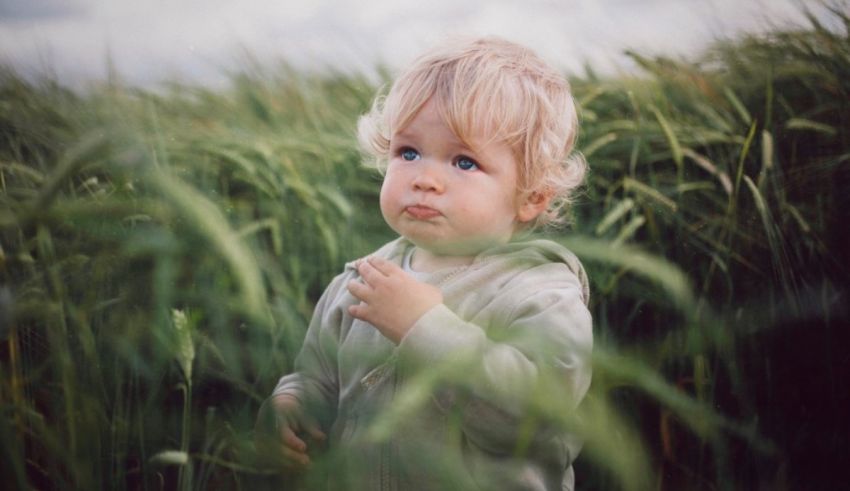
422 212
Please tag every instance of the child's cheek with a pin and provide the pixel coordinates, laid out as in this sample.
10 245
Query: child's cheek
389 200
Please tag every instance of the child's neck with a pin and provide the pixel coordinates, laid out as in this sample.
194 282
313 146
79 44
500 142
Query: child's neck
425 261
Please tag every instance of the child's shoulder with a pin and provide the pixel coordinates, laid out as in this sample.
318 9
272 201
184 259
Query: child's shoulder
534 252
539 263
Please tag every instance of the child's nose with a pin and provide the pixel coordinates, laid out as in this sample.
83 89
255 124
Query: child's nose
428 179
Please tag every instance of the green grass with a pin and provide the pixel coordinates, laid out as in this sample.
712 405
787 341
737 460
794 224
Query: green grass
160 254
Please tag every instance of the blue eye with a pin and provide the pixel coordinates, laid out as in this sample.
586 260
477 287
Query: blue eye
409 154
466 163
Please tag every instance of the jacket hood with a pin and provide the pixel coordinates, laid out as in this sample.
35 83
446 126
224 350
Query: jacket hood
543 251
532 251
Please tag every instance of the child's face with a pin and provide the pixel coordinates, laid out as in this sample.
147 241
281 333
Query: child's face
445 197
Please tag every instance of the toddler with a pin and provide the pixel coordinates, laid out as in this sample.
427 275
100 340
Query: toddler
474 142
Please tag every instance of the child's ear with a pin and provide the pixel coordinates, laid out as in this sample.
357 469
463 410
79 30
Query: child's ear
532 205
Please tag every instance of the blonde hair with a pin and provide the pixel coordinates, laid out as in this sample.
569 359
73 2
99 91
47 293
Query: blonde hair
500 86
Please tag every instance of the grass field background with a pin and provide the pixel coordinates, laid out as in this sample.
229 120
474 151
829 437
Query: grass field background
161 252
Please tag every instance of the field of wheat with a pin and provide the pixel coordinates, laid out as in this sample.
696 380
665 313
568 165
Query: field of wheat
161 252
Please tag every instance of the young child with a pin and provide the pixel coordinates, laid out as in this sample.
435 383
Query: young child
474 141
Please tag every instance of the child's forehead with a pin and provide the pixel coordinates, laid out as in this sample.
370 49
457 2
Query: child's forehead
473 136
465 120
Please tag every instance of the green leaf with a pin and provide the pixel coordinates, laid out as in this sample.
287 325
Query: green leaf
675 148
809 125
170 457
617 212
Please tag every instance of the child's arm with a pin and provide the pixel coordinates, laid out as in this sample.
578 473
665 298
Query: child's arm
303 401
547 341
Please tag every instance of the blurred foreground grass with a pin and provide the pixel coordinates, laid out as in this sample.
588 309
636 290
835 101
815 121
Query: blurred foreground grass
160 253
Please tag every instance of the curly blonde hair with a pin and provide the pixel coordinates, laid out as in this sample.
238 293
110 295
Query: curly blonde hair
497 85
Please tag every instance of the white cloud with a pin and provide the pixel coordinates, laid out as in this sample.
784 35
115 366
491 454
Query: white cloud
198 39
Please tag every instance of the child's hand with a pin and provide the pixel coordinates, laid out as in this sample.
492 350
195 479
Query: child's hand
293 427
391 299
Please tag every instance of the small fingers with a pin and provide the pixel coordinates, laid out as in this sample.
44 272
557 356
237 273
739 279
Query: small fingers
358 289
291 440
382 265
291 456
369 272
358 311
312 428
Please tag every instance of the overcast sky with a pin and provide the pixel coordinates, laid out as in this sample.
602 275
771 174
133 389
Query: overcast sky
199 40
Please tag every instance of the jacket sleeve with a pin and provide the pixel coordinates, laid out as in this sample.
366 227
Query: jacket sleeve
542 346
315 381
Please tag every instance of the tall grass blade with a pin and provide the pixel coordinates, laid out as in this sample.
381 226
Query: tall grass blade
617 211
629 230
646 191
742 157
666 275
675 147
778 255
807 124
204 218
706 164
72 160
733 99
